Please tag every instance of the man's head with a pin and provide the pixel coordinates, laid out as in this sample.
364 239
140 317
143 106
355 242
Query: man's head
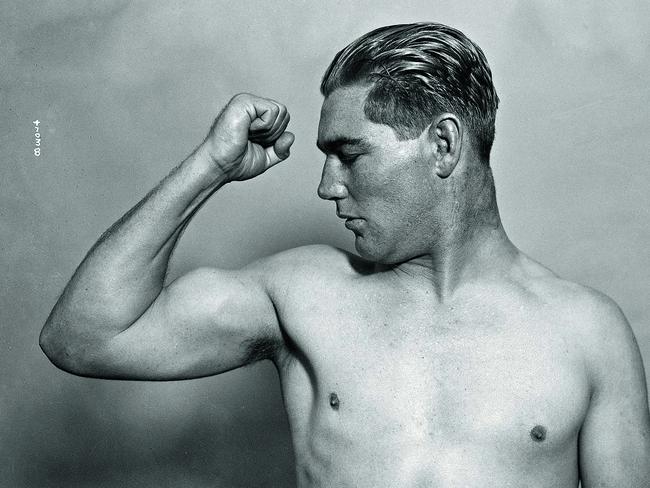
407 124
415 72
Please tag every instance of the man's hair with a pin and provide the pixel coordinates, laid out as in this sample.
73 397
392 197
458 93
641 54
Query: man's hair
418 71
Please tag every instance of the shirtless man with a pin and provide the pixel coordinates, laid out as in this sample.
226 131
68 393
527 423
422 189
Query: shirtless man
440 357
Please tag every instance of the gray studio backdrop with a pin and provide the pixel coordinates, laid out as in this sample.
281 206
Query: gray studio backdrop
125 90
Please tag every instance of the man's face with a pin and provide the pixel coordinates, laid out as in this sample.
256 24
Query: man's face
382 186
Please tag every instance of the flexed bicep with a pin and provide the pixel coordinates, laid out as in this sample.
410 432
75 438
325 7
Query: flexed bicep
206 322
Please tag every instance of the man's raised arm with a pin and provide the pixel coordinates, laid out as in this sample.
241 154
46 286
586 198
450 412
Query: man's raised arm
116 320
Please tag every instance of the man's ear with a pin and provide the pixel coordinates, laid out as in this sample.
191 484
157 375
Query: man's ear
445 134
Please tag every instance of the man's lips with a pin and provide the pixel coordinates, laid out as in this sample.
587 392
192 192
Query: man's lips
353 223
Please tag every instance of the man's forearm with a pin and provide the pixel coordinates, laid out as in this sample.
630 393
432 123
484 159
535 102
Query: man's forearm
124 271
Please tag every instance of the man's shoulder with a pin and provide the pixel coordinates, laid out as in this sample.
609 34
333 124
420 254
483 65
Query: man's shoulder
593 319
605 334
569 297
316 264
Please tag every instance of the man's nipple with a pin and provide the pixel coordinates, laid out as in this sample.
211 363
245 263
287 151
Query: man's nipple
538 433
334 401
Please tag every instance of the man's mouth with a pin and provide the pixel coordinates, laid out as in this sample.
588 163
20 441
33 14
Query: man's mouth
353 223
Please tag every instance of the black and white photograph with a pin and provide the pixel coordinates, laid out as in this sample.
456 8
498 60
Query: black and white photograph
303 244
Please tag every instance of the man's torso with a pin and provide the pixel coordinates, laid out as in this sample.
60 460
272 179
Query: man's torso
384 385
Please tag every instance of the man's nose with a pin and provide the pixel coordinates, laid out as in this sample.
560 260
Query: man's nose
331 185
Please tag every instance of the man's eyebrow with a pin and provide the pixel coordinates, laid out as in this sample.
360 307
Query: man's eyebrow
333 145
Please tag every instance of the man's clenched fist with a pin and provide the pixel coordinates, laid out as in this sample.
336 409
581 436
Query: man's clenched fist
248 137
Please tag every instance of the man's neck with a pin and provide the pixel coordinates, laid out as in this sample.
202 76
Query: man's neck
455 260
468 244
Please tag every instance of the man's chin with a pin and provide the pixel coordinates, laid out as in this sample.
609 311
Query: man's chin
370 252
363 250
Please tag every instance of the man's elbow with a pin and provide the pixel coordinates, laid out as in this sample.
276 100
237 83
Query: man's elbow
56 349
64 351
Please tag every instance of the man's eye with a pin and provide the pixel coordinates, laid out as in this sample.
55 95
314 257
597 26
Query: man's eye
348 158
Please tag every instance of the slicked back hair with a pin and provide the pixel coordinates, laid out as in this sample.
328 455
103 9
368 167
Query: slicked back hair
416 72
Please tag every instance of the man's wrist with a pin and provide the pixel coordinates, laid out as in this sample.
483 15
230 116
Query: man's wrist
203 164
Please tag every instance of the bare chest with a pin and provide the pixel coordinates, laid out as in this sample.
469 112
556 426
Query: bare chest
407 375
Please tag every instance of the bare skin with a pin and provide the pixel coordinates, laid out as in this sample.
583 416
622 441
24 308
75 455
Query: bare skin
439 357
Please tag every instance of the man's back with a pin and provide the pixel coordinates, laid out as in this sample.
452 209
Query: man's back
386 386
